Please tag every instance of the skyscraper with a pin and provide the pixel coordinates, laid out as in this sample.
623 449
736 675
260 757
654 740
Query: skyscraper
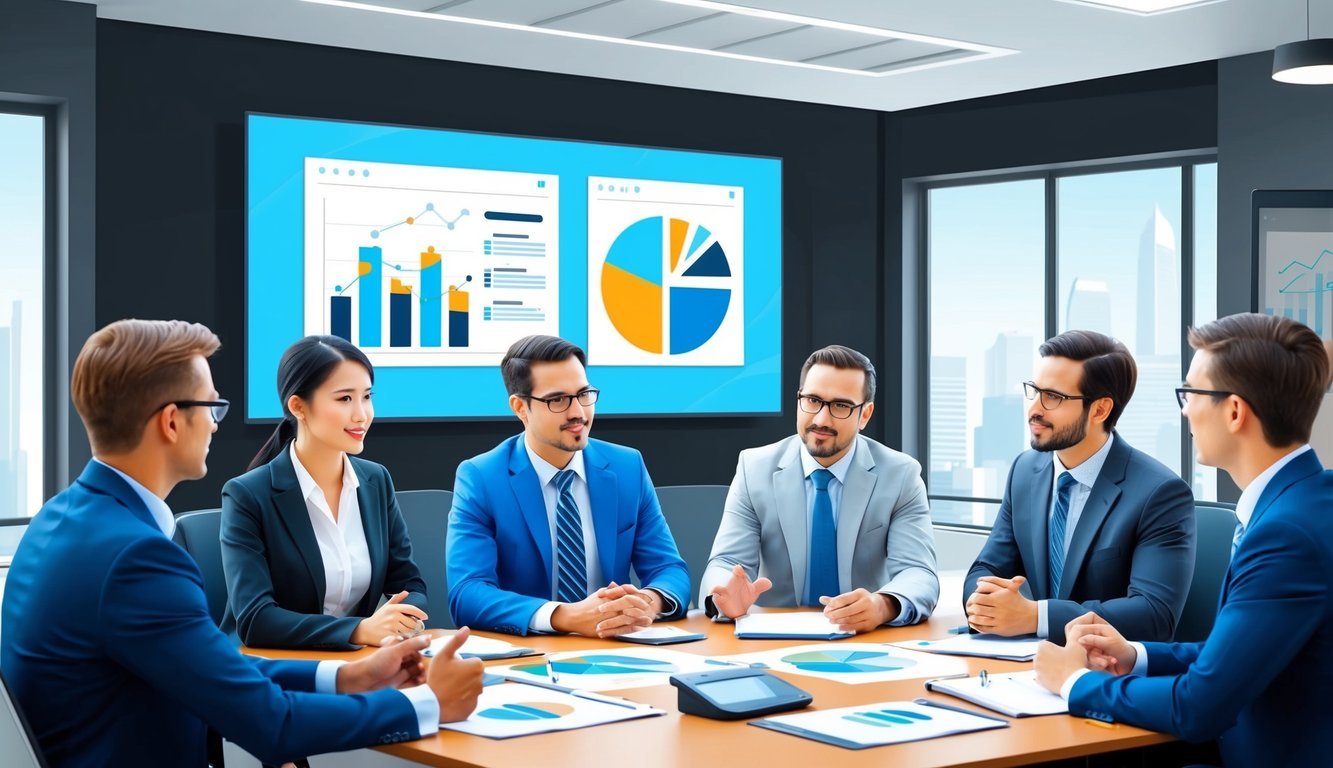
1088 307
948 419
1158 310
1000 437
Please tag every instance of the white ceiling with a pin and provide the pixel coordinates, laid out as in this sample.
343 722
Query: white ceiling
830 52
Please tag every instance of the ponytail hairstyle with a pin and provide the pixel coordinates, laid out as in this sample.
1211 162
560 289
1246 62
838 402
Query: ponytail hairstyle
305 366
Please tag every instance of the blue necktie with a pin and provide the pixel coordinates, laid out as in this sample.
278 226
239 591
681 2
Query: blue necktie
822 578
1235 539
1059 518
571 565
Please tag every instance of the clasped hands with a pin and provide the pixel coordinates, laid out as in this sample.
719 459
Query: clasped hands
998 607
857 611
615 609
1090 643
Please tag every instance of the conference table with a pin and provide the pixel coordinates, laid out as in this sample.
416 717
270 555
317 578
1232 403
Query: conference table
686 740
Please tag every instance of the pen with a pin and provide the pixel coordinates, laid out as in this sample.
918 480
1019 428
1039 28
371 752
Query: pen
1098 723
550 671
959 676
963 630
985 678
590 696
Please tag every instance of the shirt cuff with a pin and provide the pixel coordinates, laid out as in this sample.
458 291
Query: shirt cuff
326 676
427 707
541 620
1140 661
1068 687
907 613
1043 620
669 604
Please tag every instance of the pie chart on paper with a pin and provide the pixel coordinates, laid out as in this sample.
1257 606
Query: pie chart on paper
600 664
533 710
662 263
844 662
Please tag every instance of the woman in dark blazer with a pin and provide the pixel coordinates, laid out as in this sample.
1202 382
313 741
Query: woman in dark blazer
312 537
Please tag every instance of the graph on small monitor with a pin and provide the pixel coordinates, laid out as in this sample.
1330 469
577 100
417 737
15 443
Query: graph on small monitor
1293 262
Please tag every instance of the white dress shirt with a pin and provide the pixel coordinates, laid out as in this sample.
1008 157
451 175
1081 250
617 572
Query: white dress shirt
423 700
1085 476
342 542
907 614
1244 511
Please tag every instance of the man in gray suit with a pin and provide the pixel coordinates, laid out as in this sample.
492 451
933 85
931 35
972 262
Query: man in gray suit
1087 523
827 517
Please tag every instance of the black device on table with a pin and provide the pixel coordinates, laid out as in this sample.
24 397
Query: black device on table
735 694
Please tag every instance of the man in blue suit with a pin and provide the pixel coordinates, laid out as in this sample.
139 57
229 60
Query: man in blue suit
1260 682
1088 523
546 526
108 645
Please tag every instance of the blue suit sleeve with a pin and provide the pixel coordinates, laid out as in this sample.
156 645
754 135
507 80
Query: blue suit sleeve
260 620
475 597
156 624
1160 574
656 559
999 556
1274 604
401 572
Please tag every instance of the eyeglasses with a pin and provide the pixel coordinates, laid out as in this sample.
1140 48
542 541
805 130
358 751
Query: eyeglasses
837 409
1183 393
1050 399
216 408
561 403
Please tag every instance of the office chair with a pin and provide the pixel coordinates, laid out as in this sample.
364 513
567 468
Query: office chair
426 514
693 513
1216 525
200 534
16 738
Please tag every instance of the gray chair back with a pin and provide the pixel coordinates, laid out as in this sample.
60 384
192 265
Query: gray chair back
426 514
16 739
200 534
1216 525
693 513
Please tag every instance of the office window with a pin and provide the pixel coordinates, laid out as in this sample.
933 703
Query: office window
22 264
1113 243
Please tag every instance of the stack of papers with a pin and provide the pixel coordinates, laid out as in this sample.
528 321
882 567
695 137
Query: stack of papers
660 636
483 648
1022 648
802 625
888 722
1016 695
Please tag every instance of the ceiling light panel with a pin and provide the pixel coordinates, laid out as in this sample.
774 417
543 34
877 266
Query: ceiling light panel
705 27
1142 7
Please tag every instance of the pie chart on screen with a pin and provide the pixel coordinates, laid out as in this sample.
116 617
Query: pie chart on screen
662 263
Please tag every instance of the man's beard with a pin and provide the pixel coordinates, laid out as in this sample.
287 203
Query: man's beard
1060 439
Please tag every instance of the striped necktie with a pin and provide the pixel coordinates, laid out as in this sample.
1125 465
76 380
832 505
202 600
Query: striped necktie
1059 519
571 565
1235 538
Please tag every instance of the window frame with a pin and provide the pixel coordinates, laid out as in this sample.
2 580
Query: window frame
917 212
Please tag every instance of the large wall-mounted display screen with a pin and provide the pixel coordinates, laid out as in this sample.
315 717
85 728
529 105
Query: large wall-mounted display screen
434 250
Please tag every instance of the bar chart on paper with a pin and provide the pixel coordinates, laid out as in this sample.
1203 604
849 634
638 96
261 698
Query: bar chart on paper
1299 279
665 273
426 265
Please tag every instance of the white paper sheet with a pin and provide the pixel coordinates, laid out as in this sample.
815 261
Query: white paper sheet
853 663
1016 695
888 722
479 647
505 711
607 669
797 624
1022 648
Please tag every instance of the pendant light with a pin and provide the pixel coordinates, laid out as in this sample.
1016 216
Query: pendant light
1304 62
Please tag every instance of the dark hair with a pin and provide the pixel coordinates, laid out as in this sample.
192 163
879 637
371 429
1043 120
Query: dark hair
1108 368
516 367
304 367
1275 364
843 358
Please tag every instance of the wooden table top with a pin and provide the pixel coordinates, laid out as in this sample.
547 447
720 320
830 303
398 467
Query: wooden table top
685 740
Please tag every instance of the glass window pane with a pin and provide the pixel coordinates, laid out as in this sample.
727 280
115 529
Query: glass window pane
22 220
1204 480
1118 252
986 257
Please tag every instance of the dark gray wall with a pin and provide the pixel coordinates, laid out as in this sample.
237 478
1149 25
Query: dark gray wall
171 186
48 61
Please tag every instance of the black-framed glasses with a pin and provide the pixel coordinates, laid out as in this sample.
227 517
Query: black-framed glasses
1183 393
838 409
1050 399
216 408
561 403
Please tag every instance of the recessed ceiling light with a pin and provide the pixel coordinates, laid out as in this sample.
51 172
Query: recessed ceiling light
970 51
1142 7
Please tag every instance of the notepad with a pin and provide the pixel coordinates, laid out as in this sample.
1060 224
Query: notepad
797 625
660 636
1015 695
888 722
483 648
1022 648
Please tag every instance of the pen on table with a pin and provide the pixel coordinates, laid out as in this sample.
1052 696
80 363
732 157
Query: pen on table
1098 723
751 665
959 676
550 671
590 696
985 678
963 630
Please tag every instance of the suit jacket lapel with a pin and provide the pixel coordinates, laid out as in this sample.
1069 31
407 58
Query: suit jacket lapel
295 517
602 493
1300 468
368 496
531 505
1102 498
1036 521
789 498
856 492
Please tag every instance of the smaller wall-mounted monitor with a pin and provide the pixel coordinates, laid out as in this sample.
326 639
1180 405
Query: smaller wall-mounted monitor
434 250
1293 256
